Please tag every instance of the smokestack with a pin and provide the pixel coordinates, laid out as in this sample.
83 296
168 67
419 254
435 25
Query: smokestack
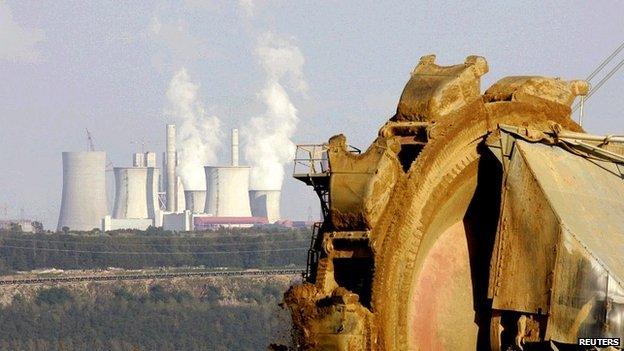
170 173
235 147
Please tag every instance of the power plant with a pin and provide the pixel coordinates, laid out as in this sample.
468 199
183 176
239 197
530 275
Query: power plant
144 197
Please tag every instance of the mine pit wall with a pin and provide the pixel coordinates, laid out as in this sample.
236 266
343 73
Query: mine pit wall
196 286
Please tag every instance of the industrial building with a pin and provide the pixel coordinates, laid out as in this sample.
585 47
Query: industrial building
22 225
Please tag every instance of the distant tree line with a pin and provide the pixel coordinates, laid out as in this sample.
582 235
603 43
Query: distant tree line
241 248
58 320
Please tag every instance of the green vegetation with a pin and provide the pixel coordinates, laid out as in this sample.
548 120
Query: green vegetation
158 319
241 248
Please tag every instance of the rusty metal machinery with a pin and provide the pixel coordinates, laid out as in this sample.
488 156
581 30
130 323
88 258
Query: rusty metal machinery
473 222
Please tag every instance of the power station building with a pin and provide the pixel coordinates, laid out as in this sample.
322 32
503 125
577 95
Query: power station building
138 201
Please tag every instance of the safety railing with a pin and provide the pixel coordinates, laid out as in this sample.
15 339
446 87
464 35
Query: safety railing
311 159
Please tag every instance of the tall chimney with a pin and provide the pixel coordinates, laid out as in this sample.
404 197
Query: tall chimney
235 147
170 173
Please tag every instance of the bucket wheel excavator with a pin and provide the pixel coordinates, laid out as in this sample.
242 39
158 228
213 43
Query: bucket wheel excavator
475 221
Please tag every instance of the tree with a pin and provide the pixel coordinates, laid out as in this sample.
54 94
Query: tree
37 227
16 227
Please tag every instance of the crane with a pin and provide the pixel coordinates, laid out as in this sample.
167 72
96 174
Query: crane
91 147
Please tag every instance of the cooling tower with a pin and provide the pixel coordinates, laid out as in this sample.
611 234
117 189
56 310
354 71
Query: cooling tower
227 191
131 195
130 192
195 200
265 204
170 173
83 203
153 178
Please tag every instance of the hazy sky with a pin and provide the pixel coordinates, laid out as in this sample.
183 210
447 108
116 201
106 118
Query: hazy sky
106 66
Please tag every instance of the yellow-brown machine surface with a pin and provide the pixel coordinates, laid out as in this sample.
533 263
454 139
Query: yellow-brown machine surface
456 229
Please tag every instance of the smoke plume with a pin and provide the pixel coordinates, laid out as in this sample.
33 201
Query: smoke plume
198 134
269 146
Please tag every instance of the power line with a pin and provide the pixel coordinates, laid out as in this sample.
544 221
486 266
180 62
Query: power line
157 245
30 248
141 276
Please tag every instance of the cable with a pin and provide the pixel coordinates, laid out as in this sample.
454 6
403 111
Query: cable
605 78
152 253
600 83
605 62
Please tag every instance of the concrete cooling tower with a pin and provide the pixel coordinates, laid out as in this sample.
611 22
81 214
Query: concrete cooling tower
227 194
153 178
266 204
136 192
227 187
83 203
195 200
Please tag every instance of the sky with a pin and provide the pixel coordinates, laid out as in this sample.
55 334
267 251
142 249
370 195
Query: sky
321 67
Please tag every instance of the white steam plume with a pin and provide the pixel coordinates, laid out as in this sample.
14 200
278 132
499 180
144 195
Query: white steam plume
198 134
269 146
